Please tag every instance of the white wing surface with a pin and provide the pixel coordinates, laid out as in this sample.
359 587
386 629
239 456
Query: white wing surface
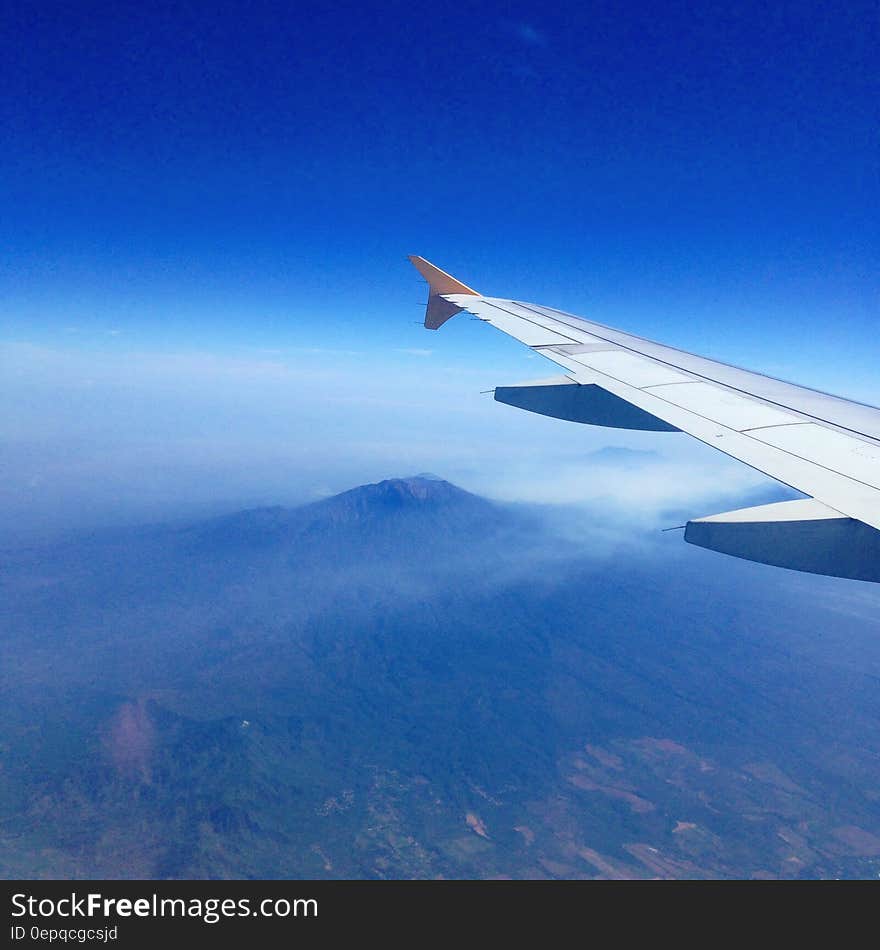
825 447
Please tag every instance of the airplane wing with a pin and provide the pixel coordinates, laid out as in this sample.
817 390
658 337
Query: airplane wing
825 447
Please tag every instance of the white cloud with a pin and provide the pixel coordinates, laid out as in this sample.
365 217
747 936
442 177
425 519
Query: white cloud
642 487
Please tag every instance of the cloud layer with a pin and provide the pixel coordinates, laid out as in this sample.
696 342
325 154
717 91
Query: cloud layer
111 435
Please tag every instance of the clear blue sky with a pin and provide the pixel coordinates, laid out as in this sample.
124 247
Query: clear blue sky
191 190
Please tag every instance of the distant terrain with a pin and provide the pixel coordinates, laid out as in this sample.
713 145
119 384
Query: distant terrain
407 680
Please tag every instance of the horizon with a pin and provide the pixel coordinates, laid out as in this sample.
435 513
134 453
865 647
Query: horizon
598 512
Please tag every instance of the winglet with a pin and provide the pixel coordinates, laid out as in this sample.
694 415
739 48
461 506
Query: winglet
440 283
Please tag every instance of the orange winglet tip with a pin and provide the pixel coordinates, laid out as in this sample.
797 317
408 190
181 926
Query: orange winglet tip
440 283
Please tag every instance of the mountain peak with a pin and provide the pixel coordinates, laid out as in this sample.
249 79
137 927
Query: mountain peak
415 491
407 504
396 504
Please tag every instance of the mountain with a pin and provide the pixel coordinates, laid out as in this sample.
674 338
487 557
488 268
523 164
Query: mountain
401 510
407 680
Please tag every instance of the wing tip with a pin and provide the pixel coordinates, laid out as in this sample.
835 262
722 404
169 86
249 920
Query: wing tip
439 309
438 280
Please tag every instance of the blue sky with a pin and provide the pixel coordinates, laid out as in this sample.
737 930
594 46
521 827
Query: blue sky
204 298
